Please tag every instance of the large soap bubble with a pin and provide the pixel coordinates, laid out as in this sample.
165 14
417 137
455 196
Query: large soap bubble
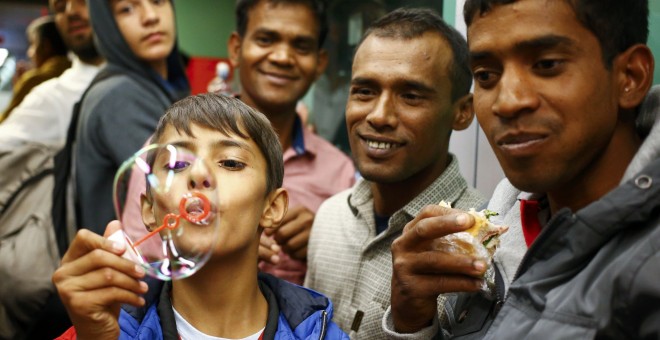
166 199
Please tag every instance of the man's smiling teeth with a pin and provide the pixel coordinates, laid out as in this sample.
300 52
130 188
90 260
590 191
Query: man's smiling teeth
379 145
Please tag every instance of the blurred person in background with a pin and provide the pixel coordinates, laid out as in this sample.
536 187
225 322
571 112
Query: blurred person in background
43 117
48 54
45 113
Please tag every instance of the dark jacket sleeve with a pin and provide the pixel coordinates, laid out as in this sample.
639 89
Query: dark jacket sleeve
126 117
642 314
117 116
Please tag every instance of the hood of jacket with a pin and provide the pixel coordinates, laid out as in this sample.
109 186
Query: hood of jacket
111 44
648 124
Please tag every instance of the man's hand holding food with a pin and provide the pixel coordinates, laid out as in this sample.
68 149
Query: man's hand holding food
426 264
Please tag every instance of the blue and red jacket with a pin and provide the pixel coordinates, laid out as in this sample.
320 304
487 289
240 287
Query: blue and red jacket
294 312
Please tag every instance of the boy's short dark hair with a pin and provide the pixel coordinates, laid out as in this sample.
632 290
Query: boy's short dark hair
229 116
410 23
318 7
617 24
44 28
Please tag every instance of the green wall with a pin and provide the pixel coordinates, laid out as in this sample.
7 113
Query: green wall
448 11
204 26
654 37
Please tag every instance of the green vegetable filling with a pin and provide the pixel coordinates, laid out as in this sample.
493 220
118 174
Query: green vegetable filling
489 214
488 240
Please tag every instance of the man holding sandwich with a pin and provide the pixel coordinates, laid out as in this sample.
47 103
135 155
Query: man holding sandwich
558 88
409 89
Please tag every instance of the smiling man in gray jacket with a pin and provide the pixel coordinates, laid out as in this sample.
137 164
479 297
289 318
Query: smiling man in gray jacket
558 88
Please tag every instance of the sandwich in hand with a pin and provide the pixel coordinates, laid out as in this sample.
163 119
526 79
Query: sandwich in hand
481 240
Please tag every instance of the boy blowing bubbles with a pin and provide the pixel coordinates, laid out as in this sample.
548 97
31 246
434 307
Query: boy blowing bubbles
225 298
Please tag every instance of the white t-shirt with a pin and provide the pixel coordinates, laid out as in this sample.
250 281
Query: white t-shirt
187 331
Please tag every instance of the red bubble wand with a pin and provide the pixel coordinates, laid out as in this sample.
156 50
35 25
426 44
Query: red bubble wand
171 221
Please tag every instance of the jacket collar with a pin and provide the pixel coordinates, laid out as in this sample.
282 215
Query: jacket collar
628 207
449 186
295 303
286 302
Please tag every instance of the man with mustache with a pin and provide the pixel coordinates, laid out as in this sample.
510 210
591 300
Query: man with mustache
45 113
409 90
277 49
559 87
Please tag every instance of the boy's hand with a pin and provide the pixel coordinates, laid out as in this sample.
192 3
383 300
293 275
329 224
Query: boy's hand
293 233
94 281
421 273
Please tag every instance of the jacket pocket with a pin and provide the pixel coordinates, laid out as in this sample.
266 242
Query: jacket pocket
471 315
562 326
524 322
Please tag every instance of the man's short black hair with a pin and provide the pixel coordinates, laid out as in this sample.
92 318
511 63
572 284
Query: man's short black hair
617 24
318 7
410 23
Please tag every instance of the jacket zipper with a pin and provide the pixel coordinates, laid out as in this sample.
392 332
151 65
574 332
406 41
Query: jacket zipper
499 290
324 322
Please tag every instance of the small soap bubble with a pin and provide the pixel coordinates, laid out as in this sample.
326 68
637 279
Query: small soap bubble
167 201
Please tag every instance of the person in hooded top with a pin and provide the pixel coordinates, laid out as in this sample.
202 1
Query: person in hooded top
144 75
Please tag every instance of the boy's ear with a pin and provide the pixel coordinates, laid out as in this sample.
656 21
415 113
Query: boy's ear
323 63
463 111
234 48
148 216
277 204
635 71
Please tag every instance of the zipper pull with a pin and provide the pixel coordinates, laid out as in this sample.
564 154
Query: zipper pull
355 326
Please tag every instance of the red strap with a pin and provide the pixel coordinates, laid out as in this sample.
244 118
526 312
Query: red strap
529 217
70 334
